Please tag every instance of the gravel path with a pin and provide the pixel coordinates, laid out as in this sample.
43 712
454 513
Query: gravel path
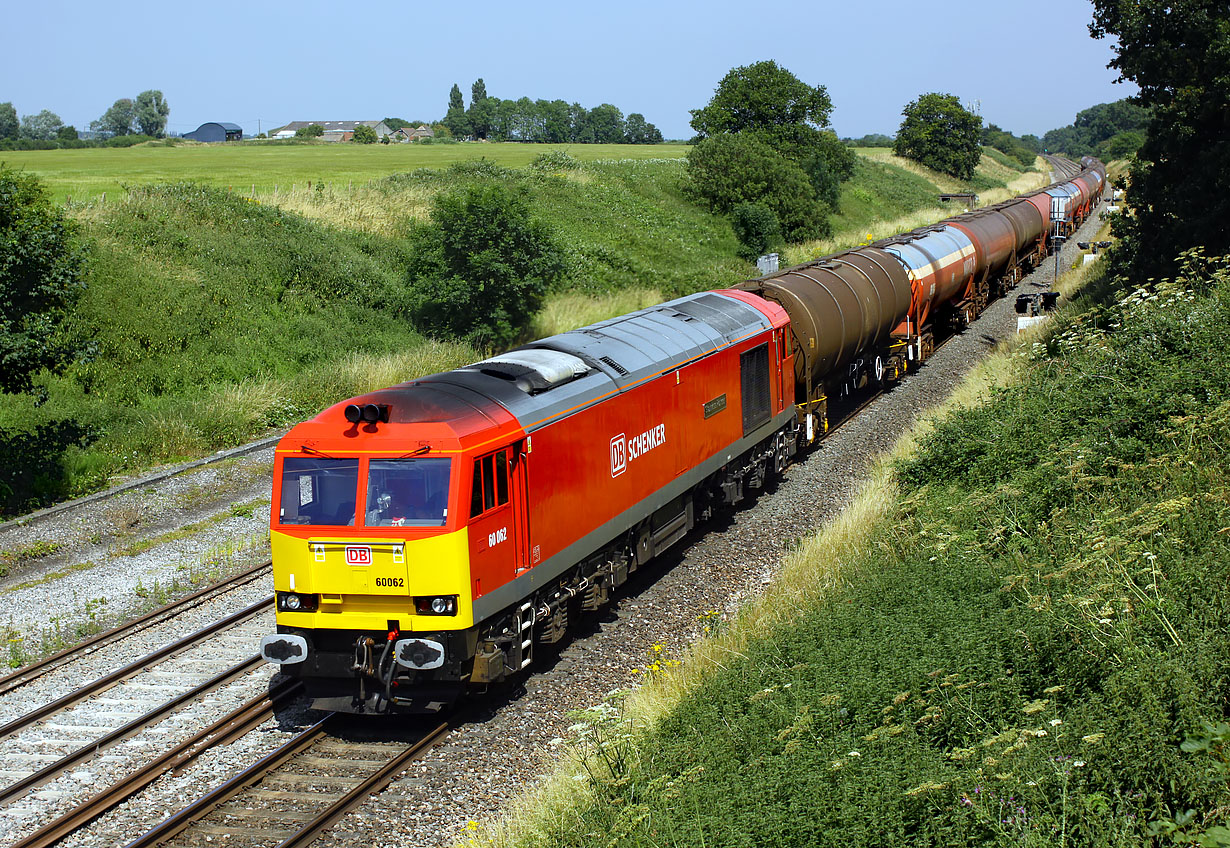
490 761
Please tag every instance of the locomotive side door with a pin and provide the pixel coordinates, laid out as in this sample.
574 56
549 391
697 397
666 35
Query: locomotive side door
496 529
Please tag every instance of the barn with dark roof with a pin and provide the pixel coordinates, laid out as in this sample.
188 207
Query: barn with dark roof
216 131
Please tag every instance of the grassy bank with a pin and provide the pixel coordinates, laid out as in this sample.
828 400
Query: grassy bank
1017 635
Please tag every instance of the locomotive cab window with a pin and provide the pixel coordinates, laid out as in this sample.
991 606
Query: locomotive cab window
490 489
318 491
407 492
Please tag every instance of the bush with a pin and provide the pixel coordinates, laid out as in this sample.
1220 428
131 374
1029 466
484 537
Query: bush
310 131
757 229
32 474
363 134
41 274
727 170
483 266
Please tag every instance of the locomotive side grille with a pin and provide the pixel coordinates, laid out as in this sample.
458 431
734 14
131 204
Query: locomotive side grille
754 375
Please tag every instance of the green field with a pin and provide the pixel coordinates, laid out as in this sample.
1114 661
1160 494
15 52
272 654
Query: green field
86 174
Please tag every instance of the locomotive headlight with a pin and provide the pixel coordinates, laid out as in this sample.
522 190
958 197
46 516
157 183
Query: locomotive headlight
295 602
439 605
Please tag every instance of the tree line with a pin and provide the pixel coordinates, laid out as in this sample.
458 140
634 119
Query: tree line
542 121
140 118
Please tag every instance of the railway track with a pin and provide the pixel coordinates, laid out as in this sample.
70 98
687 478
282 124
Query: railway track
45 742
289 797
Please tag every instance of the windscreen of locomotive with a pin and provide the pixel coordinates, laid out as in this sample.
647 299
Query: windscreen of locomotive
319 491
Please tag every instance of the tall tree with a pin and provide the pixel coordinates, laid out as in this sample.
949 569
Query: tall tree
151 113
118 120
42 126
480 109
1178 53
9 126
939 133
788 115
607 123
455 119
783 115
42 271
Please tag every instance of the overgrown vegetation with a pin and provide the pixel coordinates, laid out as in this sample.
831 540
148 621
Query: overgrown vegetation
482 267
1026 647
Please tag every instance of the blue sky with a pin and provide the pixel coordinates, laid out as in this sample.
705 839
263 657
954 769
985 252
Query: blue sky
1029 68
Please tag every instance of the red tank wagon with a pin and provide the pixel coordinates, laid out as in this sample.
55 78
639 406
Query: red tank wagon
426 536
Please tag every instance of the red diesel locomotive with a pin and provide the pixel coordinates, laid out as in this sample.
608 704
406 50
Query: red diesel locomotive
427 536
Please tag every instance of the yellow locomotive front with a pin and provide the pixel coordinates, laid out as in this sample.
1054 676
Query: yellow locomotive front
371 558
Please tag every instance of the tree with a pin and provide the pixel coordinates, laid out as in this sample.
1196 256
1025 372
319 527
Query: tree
456 120
1096 125
728 170
771 111
310 131
68 133
1178 53
118 120
607 123
939 133
761 96
480 109
42 270
42 126
363 134
483 266
151 113
9 127
636 129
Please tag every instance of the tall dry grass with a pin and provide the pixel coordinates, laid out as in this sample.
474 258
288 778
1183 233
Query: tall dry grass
355 207
566 311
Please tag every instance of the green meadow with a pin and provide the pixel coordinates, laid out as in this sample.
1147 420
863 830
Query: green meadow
84 175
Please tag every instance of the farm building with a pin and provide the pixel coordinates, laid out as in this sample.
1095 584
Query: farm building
412 133
216 131
334 130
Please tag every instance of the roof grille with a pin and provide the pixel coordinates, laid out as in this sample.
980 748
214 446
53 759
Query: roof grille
622 371
718 312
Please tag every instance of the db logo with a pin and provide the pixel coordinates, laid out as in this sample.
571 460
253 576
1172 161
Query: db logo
619 455
358 555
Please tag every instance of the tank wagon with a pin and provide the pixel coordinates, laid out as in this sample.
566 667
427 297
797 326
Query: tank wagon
428 536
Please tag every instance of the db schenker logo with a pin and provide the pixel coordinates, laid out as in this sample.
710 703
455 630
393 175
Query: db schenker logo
619 455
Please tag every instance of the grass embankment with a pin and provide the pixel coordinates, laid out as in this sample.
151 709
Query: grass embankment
1006 640
84 175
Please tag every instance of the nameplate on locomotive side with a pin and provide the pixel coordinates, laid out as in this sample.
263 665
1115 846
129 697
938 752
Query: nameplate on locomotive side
713 407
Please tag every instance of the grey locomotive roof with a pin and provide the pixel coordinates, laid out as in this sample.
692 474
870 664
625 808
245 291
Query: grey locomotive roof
532 382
